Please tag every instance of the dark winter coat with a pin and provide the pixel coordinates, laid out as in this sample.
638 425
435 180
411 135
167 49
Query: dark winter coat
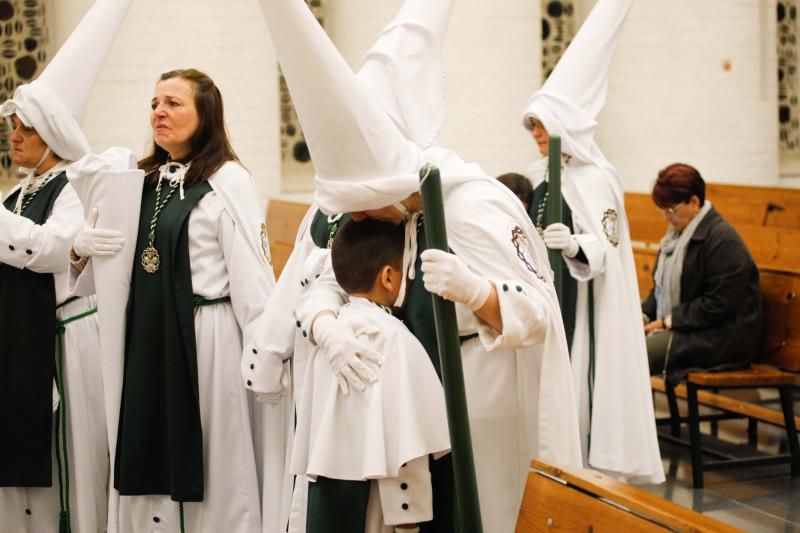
718 323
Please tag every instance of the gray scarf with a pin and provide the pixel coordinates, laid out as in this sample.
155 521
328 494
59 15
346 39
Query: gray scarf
671 254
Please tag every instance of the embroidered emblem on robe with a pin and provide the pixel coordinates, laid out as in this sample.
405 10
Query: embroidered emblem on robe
611 226
265 244
523 248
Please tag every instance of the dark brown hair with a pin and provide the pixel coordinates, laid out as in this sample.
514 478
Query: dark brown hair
210 147
676 184
361 249
519 185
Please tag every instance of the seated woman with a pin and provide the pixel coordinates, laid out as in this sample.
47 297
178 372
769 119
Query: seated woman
709 318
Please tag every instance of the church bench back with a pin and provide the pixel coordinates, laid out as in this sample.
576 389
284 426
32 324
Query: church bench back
576 499
283 221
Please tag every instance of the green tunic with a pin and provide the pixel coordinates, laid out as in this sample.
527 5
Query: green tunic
27 359
160 439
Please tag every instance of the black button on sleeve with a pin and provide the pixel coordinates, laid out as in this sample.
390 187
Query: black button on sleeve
11 247
29 252
505 286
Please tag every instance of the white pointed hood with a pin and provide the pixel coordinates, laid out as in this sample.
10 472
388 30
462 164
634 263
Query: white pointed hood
406 56
54 103
361 158
575 93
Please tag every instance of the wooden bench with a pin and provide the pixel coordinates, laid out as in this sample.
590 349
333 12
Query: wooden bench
768 220
576 499
283 221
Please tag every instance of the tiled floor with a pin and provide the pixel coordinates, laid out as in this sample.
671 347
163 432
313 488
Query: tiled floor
754 499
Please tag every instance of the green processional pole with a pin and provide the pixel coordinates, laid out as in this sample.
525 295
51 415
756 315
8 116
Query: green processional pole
553 211
444 313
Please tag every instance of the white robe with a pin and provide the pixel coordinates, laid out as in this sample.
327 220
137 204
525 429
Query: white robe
243 440
518 384
372 435
622 428
36 510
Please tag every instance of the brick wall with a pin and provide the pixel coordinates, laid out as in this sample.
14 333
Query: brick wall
227 40
692 81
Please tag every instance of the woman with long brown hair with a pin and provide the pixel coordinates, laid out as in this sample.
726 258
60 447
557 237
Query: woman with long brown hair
188 439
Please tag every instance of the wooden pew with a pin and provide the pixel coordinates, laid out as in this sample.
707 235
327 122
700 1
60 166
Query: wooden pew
283 221
575 499
768 221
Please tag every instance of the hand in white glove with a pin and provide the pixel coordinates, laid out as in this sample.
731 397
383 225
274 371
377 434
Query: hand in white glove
449 276
346 354
557 236
283 386
90 241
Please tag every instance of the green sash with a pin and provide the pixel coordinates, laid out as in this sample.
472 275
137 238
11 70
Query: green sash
27 359
160 438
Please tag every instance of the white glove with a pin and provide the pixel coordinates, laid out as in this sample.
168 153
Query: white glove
449 276
283 386
346 354
90 241
557 236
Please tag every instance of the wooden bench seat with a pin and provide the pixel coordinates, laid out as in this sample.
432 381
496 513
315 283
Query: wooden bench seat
577 499
728 404
755 376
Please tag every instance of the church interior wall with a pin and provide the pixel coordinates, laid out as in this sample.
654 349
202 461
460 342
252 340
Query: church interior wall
692 81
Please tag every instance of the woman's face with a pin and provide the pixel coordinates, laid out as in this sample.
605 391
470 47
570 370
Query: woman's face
679 215
539 134
174 119
27 146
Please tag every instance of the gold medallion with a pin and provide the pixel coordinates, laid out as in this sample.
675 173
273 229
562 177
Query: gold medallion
150 260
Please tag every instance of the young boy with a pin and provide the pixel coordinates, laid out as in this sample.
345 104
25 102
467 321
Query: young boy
366 453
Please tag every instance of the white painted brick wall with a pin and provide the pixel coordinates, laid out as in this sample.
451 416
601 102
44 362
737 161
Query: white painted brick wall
227 40
493 55
670 98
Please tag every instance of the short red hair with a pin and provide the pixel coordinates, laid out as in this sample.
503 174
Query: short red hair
676 184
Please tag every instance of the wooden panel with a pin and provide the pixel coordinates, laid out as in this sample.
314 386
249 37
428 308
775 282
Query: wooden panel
781 307
623 507
280 255
645 260
283 221
772 248
758 206
647 224
552 506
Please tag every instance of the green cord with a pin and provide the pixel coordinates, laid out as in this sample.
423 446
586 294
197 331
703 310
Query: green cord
64 525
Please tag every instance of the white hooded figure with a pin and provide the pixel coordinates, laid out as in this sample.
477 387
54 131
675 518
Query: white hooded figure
608 356
368 142
191 450
47 139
